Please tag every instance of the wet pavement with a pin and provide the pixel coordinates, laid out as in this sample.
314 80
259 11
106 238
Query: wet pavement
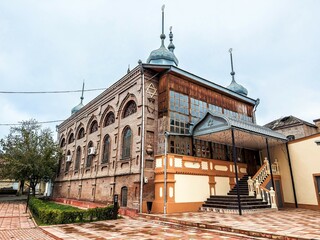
128 228
282 224
291 224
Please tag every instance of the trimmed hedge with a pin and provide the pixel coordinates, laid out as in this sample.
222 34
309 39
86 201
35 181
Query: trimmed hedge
52 213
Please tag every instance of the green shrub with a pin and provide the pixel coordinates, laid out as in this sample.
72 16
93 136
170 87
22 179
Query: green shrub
52 213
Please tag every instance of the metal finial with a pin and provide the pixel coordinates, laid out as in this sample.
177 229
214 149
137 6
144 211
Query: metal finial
128 70
82 92
162 36
171 46
232 72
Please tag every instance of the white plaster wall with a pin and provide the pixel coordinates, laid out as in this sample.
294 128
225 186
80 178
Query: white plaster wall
189 188
222 185
305 160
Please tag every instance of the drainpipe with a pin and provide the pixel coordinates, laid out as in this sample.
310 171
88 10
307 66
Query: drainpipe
142 143
166 135
291 174
254 111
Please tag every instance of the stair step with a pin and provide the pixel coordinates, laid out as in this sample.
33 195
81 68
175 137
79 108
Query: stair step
235 206
230 201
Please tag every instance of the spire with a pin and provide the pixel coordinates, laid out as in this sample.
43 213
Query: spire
171 46
232 72
81 98
234 86
128 70
80 105
162 55
162 36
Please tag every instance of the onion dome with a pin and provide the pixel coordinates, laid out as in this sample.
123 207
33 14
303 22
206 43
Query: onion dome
234 86
80 105
162 55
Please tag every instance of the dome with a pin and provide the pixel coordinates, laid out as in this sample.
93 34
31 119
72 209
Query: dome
235 87
162 56
76 108
80 105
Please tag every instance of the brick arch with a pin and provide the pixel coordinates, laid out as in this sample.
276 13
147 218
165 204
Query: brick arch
70 132
129 97
105 113
62 138
91 120
81 125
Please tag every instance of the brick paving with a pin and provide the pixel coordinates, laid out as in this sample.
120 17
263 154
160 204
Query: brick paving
291 224
128 228
283 224
15 224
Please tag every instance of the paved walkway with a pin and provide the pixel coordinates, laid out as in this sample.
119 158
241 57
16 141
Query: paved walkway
15 224
291 224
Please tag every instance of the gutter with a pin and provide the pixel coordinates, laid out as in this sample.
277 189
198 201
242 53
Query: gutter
142 142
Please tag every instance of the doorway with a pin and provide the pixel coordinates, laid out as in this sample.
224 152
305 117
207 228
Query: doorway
124 196
316 178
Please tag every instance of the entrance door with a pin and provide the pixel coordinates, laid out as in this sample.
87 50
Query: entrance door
317 183
124 196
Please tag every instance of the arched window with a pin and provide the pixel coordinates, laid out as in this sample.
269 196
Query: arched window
80 133
126 143
71 138
60 165
106 149
68 161
130 108
124 196
90 154
94 127
63 142
78 158
109 119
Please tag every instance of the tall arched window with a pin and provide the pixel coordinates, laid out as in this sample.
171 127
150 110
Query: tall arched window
90 154
124 196
130 108
63 142
126 143
68 161
106 149
80 133
78 158
109 119
94 126
71 138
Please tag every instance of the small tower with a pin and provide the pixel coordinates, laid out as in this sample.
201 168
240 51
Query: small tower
234 86
80 105
162 55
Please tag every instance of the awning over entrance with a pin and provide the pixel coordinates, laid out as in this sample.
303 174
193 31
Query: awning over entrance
214 127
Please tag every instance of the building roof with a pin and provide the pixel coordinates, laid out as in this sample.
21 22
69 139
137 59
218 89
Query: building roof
199 80
288 121
216 127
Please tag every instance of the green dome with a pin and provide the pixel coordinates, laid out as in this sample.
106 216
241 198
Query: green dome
234 86
76 108
162 56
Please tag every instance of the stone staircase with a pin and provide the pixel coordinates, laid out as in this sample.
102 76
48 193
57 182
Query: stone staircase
229 203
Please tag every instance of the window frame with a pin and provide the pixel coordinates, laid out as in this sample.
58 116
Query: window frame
126 143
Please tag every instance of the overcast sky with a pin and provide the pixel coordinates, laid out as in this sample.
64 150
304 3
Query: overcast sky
55 45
